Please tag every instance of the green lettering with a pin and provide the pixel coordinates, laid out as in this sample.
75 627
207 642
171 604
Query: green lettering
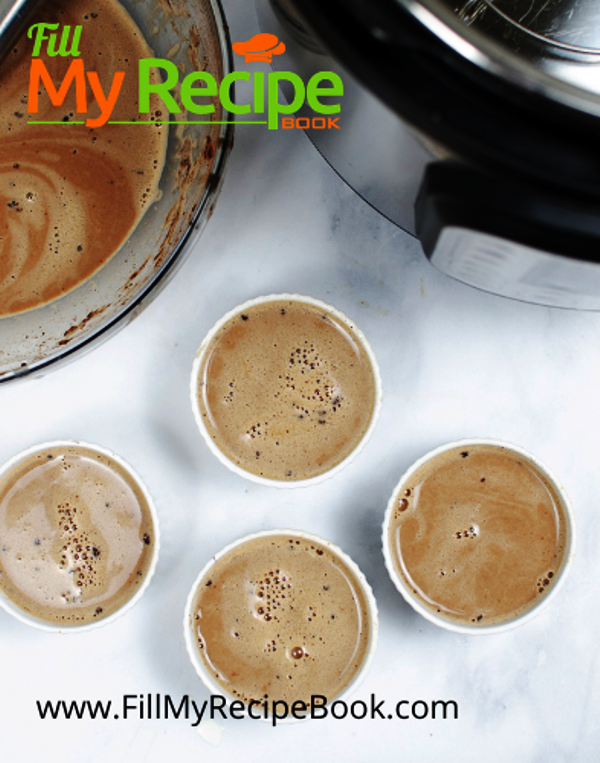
62 49
275 107
314 92
259 92
225 93
75 45
40 36
189 91
161 88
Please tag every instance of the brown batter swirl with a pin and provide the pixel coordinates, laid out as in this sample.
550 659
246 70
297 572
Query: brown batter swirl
71 195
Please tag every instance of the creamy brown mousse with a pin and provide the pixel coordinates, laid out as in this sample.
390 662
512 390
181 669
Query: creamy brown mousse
281 617
286 391
71 195
479 534
76 535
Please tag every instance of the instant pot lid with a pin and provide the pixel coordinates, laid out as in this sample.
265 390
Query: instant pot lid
549 46
512 86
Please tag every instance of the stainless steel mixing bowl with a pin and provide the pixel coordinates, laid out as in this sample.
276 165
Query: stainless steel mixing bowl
193 34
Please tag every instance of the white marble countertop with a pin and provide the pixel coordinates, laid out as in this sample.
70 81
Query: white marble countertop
455 363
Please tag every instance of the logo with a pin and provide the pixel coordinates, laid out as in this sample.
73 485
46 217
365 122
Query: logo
194 93
261 47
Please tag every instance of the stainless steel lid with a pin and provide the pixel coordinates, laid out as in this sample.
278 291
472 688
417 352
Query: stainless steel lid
547 46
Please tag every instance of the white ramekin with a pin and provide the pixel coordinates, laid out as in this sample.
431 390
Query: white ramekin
200 355
188 621
14 609
415 601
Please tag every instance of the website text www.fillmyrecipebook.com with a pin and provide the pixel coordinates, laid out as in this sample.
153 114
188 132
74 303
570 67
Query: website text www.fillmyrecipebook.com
157 707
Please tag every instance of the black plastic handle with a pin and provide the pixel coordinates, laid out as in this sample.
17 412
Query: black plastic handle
453 194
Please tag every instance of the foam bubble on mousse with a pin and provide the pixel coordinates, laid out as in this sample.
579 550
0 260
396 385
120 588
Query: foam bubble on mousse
281 618
76 535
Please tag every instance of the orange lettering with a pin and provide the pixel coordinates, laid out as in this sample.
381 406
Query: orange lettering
38 73
106 104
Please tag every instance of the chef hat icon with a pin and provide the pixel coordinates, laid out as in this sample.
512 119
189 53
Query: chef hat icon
261 47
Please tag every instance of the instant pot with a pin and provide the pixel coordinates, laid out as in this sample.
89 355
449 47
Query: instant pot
474 125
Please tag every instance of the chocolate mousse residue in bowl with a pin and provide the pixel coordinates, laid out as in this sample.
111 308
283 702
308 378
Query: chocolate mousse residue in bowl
75 192
93 219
